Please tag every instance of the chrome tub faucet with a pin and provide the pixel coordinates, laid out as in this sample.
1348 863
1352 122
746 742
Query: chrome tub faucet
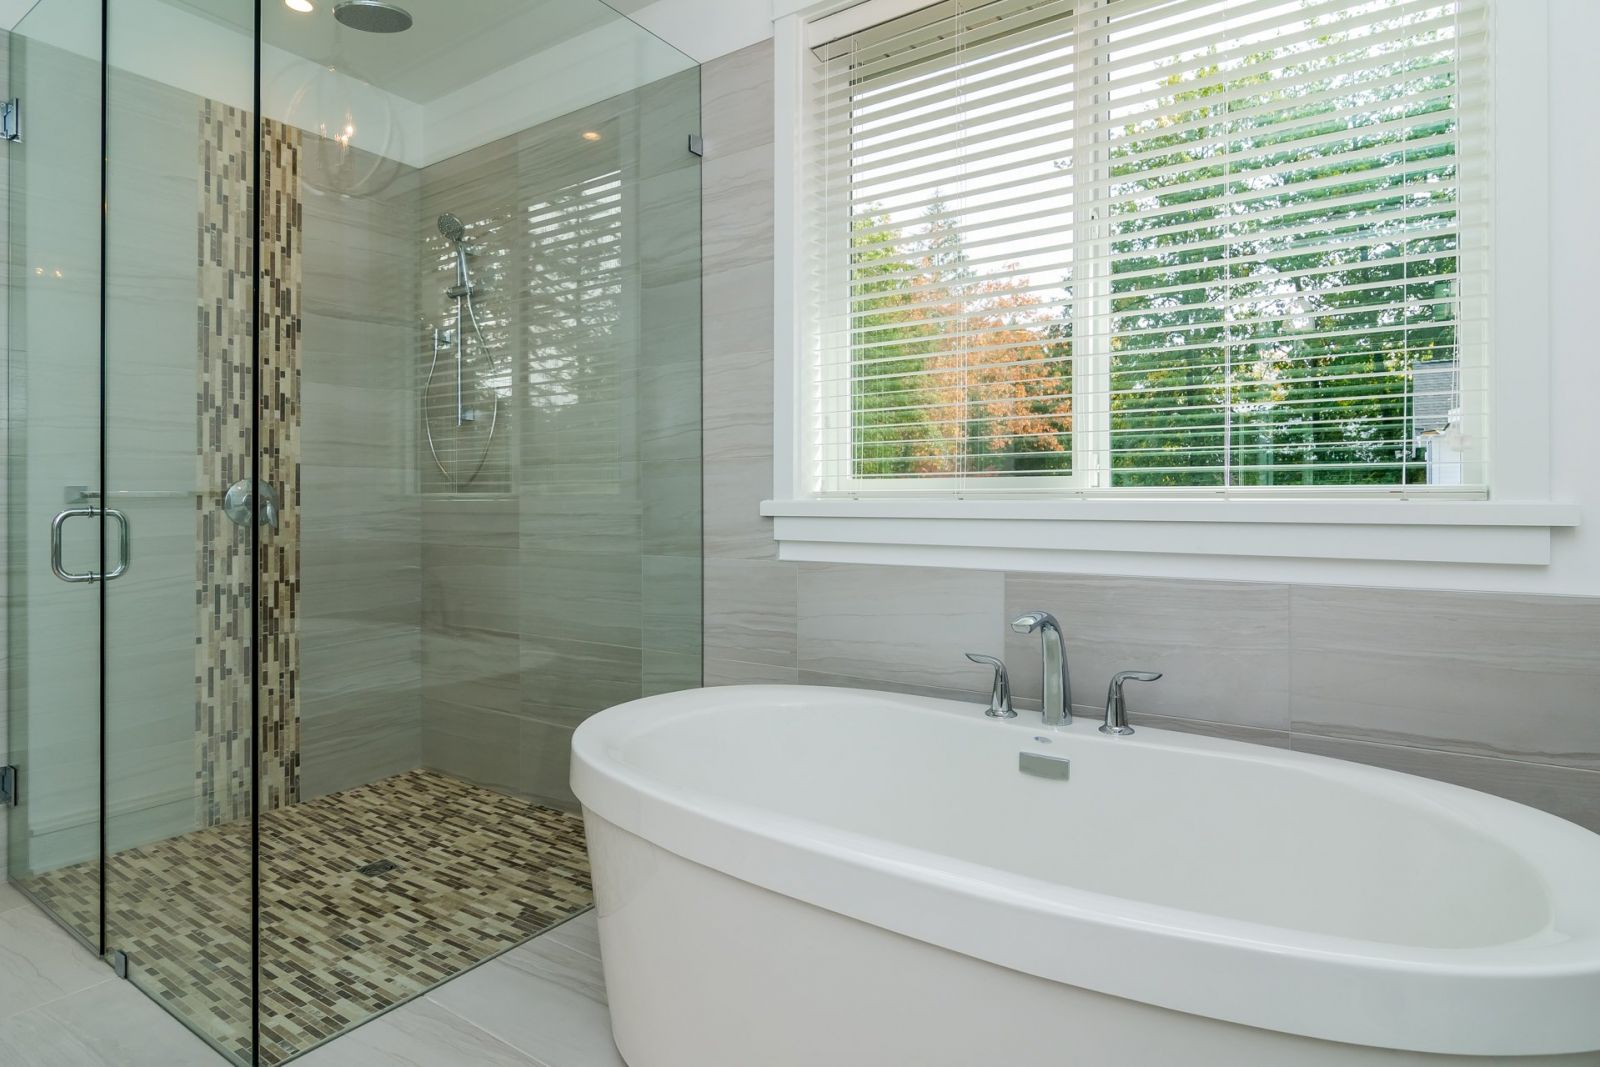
1057 681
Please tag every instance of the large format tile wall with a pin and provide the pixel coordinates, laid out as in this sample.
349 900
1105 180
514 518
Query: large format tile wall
1497 692
567 577
360 527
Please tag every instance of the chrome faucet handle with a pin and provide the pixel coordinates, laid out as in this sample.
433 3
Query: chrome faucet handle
1000 695
1116 722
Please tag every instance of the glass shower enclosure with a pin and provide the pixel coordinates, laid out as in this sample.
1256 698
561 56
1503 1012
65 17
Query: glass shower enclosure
352 459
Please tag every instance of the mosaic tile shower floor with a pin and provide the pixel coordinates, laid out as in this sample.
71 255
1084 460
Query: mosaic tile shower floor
477 872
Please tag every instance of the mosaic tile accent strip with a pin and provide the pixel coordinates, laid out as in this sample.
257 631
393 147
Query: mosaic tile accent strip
475 873
224 582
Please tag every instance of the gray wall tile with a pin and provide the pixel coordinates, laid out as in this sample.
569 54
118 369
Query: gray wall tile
751 612
477 744
1223 647
1491 675
361 531
584 596
672 494
738 343
738 225
885 685
354 739
671 612
738 220
738 100
733 672
735 486
1227 731
471 668
565 682
669 672
1565 791
578 586
546 751
899 624
470 587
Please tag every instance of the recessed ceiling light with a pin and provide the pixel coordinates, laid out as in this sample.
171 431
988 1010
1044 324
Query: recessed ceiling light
591 135
303 6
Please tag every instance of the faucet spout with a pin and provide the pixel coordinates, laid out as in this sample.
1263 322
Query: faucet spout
1057 680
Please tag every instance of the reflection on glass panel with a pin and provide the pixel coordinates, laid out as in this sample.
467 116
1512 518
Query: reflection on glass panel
53 465
179 295
402 408
479 427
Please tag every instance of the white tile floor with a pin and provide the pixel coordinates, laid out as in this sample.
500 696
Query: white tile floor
540 1005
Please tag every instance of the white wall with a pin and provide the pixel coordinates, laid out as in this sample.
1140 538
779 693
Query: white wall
1561 87
1575 276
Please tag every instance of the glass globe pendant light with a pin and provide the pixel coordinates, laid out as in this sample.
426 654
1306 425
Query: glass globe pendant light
352 139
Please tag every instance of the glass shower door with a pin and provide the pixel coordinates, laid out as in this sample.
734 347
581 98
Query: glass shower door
54 527
132 542
180 437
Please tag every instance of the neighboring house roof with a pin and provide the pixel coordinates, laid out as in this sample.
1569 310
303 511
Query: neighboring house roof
1436 392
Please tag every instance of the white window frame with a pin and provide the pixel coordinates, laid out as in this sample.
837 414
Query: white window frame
1513 527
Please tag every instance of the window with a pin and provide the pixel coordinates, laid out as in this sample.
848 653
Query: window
1150 246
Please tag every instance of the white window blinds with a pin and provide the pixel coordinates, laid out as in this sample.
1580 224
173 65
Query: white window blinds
1152 245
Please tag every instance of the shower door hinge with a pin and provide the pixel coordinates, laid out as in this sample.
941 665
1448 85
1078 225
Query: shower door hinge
119 962
10 792
697 145
11 119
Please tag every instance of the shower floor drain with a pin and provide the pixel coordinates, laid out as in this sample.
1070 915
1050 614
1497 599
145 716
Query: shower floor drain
377 868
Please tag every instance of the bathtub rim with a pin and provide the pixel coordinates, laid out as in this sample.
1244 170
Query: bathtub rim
1422 999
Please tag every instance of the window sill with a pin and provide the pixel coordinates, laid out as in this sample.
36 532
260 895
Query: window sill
1047 535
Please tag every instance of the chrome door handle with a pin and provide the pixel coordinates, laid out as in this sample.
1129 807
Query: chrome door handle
124 545
56 567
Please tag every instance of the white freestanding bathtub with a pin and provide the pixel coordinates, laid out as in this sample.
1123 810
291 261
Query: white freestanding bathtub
789 876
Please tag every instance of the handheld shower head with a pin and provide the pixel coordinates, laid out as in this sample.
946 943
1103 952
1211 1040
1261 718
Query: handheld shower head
451 227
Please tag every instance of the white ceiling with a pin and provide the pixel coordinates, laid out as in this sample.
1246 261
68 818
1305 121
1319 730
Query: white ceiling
450 45
463 75
702 29
11 11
